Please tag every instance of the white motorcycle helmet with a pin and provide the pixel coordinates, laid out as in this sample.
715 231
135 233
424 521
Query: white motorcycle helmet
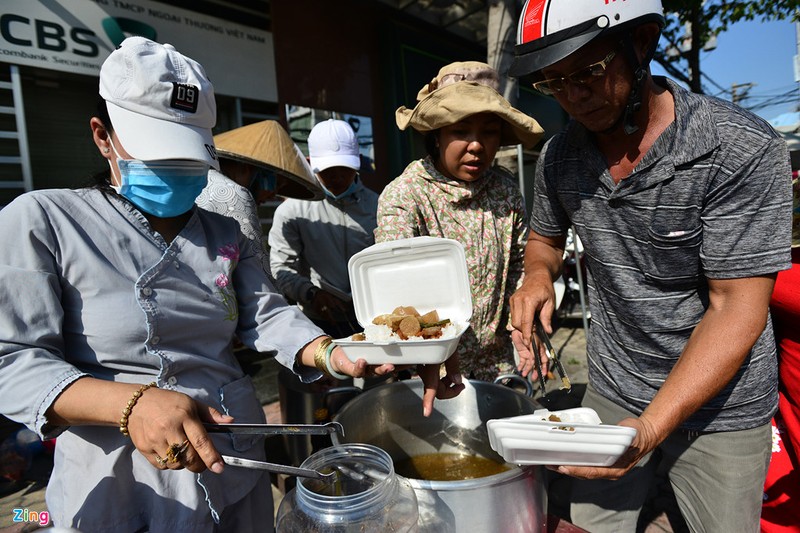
550 30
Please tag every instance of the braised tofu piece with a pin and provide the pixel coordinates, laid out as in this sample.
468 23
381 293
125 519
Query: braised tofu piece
406 311
409 327
430 317
433 332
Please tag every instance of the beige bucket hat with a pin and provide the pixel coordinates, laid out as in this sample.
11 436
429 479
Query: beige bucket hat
267 144
463 89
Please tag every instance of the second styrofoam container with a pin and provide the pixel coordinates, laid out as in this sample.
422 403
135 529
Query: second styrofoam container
578 438
424 272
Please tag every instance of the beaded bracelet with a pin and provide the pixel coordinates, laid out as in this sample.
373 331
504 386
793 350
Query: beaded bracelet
123 422
328 351
319 355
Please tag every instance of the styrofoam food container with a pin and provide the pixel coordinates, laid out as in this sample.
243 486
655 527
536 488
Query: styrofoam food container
576 415
578 439
424 272
548 452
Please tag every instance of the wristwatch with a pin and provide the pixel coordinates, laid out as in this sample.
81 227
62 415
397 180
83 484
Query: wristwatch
310 293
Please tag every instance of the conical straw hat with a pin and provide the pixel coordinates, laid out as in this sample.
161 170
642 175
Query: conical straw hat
266 144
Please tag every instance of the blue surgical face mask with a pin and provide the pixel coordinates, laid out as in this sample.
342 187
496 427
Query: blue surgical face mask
347 191
161 188
264 180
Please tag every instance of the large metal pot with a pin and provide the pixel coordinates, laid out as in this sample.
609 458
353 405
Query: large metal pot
390 417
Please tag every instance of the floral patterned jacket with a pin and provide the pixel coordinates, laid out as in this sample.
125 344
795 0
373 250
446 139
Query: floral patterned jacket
488 217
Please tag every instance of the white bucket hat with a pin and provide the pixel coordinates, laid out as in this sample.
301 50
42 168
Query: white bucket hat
160 102
333 143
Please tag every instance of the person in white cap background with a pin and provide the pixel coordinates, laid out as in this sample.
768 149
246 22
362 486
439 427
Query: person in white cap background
683 205
457 192
311 242
120 304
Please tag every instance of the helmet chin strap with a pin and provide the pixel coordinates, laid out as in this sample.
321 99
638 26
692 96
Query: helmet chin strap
639 77
634 101
628 118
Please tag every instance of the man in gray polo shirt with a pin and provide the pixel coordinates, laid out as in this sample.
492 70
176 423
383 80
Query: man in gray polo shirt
683 204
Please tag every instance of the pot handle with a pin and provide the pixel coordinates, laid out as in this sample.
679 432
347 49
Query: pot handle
331 398
514 377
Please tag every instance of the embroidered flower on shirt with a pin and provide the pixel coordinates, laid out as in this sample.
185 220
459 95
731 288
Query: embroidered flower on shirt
227 295
230 252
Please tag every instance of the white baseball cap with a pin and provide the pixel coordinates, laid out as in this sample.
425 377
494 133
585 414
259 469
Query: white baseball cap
160 102
333 143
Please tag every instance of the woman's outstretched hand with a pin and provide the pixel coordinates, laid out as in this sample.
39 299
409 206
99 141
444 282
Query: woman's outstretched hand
438 386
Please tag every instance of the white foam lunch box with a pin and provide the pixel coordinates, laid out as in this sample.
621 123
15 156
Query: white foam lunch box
424 272
577 438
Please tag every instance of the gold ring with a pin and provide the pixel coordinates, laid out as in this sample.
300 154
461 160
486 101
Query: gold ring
160 461
175 450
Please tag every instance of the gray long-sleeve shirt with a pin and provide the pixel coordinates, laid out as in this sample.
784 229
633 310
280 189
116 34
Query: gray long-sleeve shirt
89 289
311 242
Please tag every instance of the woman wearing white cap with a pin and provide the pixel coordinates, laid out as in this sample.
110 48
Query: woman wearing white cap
311 242
120 305
457 193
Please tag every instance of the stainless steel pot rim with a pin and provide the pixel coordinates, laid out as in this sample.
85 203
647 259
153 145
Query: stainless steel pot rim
412 385
476 483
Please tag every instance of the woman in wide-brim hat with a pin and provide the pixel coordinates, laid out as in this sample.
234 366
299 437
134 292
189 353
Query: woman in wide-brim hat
456 192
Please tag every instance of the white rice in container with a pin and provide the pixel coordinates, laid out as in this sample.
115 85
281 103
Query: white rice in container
382 332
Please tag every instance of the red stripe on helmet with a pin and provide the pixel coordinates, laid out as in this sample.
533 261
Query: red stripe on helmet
533 20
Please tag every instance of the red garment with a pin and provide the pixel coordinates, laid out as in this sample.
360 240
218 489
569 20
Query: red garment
781 510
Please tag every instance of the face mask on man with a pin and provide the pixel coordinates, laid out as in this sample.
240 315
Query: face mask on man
347 191
161 188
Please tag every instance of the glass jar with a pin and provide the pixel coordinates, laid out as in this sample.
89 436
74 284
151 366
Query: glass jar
363 495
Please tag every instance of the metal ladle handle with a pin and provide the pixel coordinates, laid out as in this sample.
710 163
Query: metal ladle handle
274 467
276 429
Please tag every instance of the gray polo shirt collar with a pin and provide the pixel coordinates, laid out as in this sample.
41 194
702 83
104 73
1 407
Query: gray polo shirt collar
678 145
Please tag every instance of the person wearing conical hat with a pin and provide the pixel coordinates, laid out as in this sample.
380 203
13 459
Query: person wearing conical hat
258 162
456 192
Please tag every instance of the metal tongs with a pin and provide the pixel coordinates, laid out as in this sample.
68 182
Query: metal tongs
276 429
551 354
274 467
